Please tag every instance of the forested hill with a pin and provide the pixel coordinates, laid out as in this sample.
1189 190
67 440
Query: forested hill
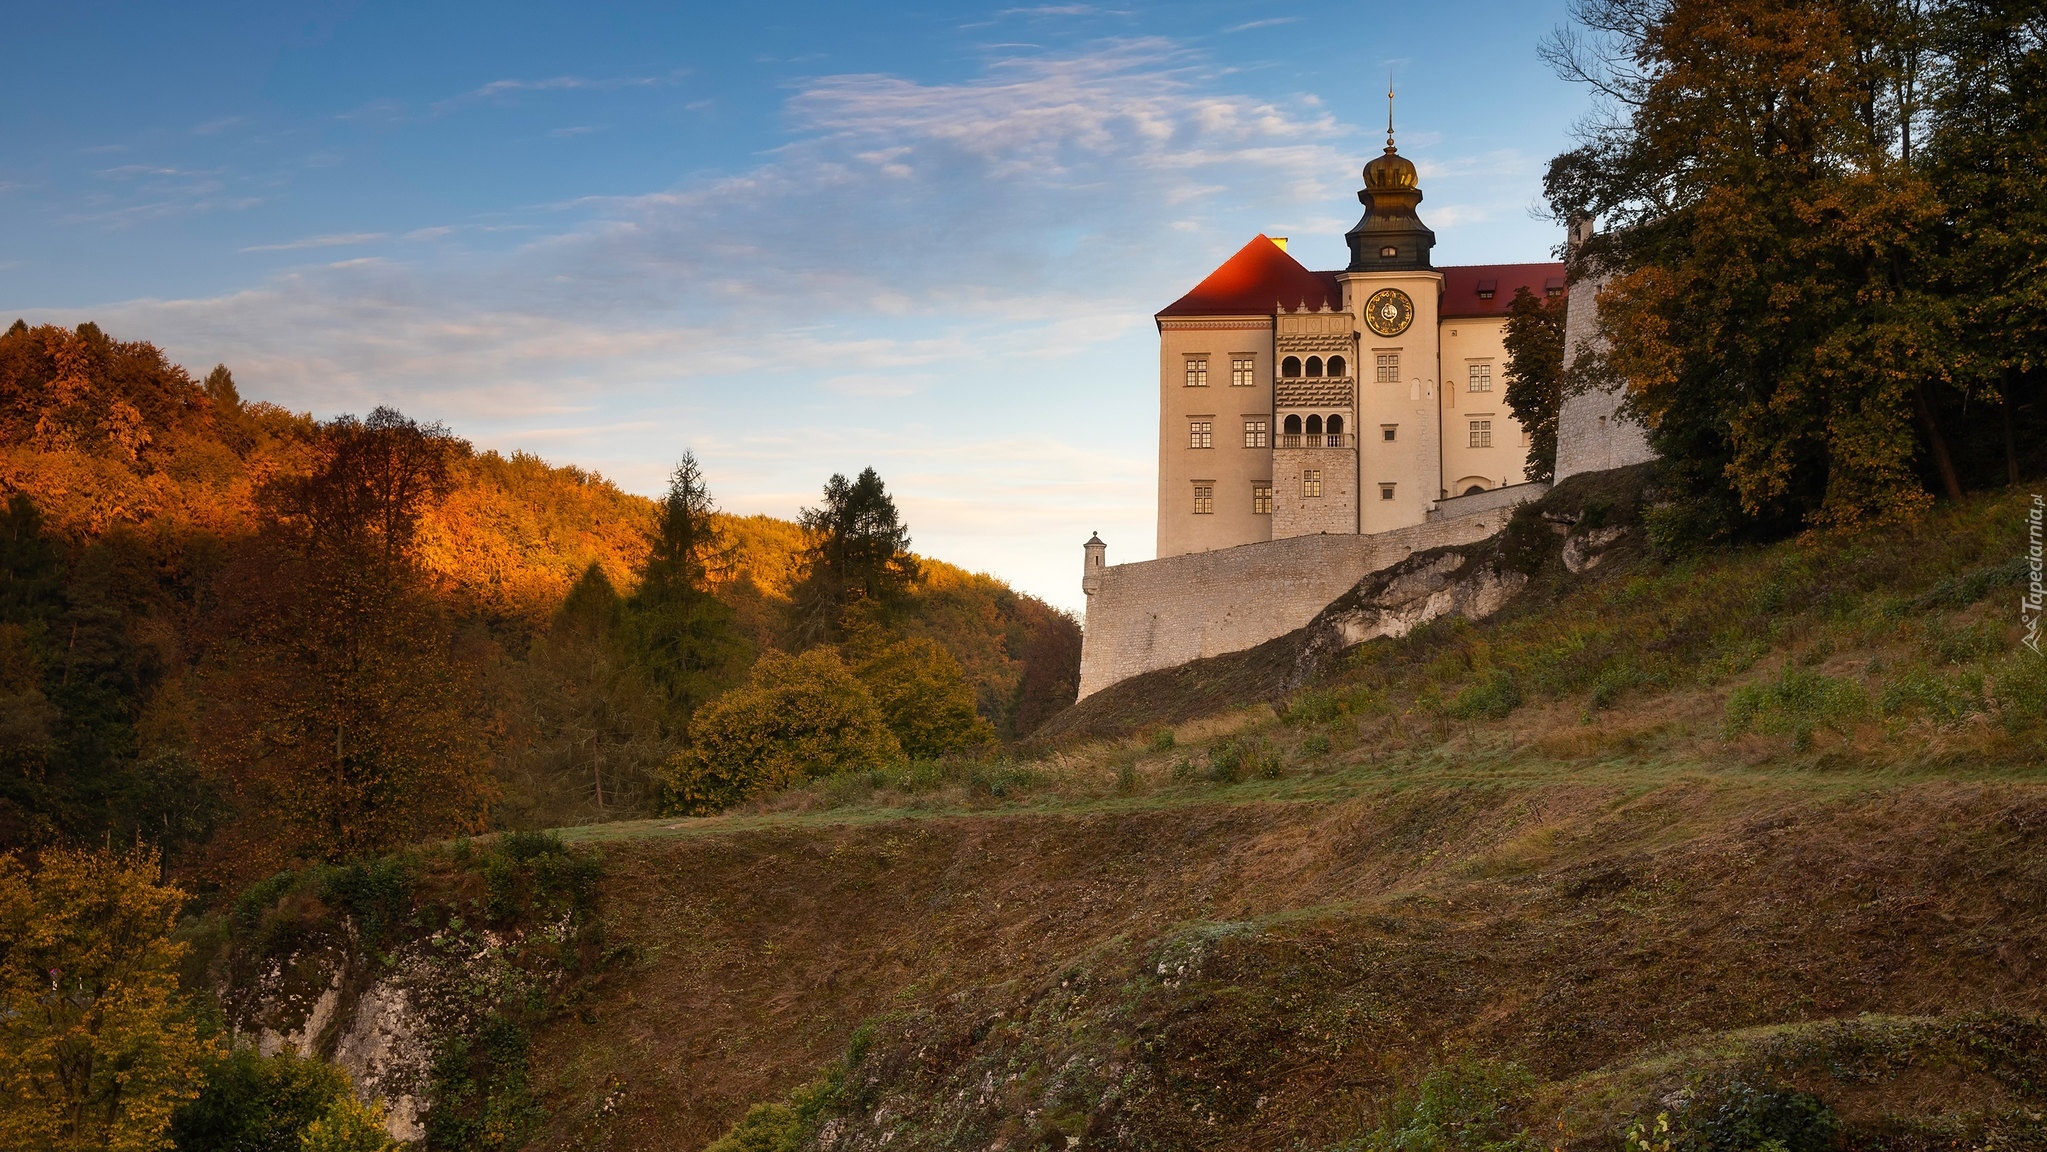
139 497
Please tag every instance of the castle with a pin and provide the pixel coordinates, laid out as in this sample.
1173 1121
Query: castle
1318 426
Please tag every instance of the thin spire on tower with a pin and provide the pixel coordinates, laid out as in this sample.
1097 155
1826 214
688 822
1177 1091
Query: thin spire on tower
1389 111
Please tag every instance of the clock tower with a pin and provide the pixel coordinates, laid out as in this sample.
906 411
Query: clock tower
1395 295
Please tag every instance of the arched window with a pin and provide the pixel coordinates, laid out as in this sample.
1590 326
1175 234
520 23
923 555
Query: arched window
1314 365
1336 365
1293 425
1336 425
1291 366
1474 490
1314 425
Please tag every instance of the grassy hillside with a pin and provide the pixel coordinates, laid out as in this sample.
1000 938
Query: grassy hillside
1754 820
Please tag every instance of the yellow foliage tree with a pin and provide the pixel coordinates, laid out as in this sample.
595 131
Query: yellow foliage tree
96 1049
349 1126
925 698
796 717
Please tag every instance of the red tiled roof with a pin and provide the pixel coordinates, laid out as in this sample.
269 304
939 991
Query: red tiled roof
1255 282
1462 284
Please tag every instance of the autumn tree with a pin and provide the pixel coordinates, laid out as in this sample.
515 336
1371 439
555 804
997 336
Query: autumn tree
1766 300
591 725
858 555
342 711
97 1048
1535 375
795 718
1986 150
924 698
686 640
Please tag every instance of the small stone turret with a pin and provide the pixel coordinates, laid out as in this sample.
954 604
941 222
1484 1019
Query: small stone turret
1091 571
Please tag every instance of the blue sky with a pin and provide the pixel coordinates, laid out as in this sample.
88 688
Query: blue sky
798 238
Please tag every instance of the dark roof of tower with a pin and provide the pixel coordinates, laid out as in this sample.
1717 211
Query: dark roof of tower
1259 280
1466 287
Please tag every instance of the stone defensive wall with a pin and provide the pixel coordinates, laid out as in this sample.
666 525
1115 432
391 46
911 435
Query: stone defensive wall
1161 613
1592 433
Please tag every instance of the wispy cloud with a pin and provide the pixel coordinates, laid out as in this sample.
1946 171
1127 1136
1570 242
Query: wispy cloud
335 240
500 90
1272 23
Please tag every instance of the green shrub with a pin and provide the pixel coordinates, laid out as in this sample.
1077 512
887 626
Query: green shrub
1468 1105
795 717
1795 704
255 1103
1162 740
925 698
1739 1117
1316 745
1226 762
764 1128
1915 691
1491 698
1313 707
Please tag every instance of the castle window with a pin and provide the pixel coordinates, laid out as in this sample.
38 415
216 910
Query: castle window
1336 365
1486 289
1314 425
1197 372
1314 365
1261 499
1293 426
1385 491
1481 377
1481 433
1311 482
1336 425
1204 498
1291 366
1243 371
1255 434
1201 434
1389 367
1388 252
1389 432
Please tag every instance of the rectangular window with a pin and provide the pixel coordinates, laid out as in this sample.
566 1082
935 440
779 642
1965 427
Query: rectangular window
1311 482
1481 433
1388 431
1242 370
1481 378
1256 434
1201 434
1385 491
1261 499
1197 371
1204 499
1389 367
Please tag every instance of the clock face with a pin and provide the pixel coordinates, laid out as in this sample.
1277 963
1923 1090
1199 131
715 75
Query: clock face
1389 311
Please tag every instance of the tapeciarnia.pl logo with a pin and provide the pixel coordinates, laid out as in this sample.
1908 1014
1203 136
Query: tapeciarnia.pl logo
2030 604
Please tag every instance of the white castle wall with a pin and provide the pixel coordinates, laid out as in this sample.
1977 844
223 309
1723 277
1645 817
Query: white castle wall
1591 435
1161 613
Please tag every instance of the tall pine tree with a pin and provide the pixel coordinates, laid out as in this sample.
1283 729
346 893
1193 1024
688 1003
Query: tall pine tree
686 641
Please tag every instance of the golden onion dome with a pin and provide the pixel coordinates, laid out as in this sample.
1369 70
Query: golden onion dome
1390 172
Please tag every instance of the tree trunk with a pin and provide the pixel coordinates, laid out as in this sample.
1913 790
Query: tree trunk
1941 459
2011 443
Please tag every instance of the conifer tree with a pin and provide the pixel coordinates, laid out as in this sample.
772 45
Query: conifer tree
686 641
859 556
